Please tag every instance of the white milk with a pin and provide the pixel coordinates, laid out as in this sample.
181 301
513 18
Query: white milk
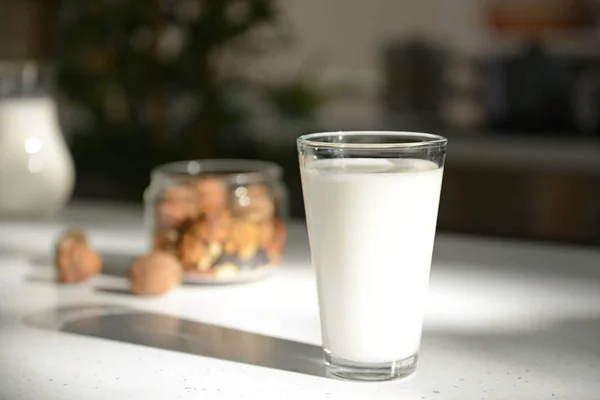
371 227
36 168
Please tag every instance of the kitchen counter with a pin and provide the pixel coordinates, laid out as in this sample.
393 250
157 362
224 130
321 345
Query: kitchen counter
505 320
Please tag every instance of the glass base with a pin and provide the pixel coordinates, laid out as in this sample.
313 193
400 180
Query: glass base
358 371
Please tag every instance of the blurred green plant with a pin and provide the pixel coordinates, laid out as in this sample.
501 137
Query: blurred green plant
144 82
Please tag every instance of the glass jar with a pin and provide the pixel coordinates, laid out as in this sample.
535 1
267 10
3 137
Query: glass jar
223 219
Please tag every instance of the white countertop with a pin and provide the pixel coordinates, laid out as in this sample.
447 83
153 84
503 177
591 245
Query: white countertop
505 320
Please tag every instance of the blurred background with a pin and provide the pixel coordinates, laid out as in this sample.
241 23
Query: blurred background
514 84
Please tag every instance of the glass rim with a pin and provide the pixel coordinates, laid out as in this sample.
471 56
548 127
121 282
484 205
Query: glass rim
429 139
232 170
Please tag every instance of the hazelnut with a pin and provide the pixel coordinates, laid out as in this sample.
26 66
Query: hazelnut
176 205
174 213
165 240
154 274
254 202
192 251
74 259
244 239
211 194
178 194
212 227
200 244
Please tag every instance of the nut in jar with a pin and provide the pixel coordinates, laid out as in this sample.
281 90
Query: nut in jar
254 202
176 205
224 221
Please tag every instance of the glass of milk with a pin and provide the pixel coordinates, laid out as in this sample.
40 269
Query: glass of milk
371 201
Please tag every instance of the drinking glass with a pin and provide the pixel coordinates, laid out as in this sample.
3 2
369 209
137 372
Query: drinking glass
371 201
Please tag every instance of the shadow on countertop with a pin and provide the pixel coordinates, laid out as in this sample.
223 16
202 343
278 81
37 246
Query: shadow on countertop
167 332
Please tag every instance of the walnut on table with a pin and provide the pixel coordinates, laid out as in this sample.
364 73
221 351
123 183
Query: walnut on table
75 261
154 274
